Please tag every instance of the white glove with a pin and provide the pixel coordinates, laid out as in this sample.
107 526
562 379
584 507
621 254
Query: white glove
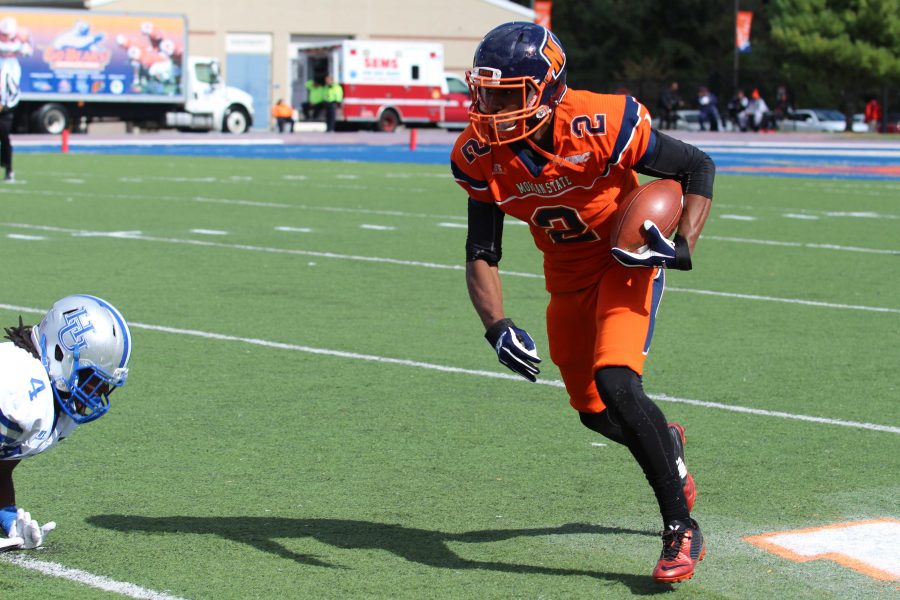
28 531
10 543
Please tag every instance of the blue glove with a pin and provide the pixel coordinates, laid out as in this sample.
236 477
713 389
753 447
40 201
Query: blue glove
659 252
514 348
7 518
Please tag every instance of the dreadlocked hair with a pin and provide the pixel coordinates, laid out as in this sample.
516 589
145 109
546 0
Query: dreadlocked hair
21 337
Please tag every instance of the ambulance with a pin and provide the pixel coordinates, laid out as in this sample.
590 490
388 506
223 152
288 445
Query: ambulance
385 83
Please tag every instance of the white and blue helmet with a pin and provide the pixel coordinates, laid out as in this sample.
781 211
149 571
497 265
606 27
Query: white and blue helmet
85 344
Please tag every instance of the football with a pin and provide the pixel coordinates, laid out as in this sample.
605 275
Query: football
659 200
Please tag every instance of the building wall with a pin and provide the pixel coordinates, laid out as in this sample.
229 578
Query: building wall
457 24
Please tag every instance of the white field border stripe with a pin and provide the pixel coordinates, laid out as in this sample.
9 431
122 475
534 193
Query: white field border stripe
804 145
75 141
128 235
478 373
719 238
95 581
777 413
877 309
805 152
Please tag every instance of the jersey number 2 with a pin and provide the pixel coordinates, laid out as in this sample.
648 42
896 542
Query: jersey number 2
563 224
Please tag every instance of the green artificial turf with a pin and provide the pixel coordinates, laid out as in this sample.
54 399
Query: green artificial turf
290 428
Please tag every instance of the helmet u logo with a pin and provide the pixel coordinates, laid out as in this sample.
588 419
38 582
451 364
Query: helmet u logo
71 337
554 56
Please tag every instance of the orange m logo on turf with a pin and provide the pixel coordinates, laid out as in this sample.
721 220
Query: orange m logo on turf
554 56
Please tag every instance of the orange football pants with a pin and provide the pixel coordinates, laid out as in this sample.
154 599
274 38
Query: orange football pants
607 324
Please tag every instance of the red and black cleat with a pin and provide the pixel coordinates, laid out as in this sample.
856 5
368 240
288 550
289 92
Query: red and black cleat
678 441
683 548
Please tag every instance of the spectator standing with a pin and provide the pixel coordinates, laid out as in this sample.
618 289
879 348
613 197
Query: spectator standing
757 111
10 76
873 114
333 98
15 41
669 103
783 106
283 113
315 96
737 111
709 110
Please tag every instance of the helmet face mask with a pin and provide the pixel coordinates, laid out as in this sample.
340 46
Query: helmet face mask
502 107
517 79
85 344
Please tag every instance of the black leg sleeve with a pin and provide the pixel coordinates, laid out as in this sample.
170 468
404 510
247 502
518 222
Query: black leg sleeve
646 434
604 424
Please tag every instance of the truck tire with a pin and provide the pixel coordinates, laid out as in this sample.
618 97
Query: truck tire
51 118
388 121
236 120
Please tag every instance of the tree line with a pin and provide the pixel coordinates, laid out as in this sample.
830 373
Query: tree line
828 53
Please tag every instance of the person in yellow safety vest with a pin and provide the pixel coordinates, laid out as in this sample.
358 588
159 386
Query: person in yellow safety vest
334 97
315 96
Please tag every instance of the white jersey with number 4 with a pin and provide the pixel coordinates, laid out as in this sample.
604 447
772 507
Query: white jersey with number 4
29 420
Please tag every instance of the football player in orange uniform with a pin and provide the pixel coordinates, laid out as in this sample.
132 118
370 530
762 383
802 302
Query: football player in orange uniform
560 159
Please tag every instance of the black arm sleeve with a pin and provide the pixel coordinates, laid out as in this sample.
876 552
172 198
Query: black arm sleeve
670 158
485 236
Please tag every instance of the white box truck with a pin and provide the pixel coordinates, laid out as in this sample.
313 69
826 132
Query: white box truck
80 66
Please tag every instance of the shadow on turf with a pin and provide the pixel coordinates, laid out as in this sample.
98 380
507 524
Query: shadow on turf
416 545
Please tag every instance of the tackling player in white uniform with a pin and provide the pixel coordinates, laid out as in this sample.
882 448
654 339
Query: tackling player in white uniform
54 377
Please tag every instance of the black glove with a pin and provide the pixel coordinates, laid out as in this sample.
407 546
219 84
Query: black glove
659 252
514 348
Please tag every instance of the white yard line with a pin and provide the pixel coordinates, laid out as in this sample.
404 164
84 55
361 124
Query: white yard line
89 579
371 227
209 232
398 213
474 372
126 235
877 309
777 413
68 194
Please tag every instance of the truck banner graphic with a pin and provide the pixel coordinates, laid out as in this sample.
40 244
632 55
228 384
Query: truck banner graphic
96 56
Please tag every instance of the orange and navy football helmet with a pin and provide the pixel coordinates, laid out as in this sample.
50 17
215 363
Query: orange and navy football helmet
518 77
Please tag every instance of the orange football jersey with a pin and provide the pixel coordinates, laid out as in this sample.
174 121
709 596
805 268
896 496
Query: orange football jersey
567 202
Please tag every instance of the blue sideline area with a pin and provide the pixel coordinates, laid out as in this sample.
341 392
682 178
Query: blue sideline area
840 162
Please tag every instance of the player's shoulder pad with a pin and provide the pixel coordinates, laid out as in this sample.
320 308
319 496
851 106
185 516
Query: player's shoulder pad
23 381
467 163
468 149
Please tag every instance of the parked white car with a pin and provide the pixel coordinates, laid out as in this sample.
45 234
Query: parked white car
687 120
858 124
814 120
